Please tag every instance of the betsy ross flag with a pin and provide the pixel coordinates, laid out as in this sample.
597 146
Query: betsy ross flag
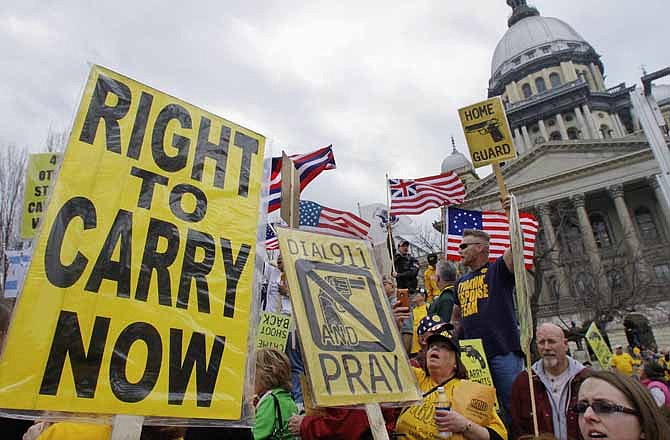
317 216
414 196
309 166
271 240
493 223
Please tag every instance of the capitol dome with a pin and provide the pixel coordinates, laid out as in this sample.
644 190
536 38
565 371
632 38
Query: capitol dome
456 161
530 33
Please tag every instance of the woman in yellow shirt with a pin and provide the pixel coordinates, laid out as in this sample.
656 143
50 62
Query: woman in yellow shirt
445 369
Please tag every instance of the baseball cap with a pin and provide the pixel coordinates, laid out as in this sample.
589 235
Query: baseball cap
430 323
404 243
446 334
619 346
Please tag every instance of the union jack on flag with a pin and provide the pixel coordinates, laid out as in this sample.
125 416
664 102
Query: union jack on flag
309 166
414 196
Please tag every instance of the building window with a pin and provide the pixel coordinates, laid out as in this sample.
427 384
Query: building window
546 49
615 279
555 136
540 85
606 131
530 54
573 134
646 225
600 230
569 117
526 90
516 61
584 284
551 122
572 238
662 272
555 80
534 128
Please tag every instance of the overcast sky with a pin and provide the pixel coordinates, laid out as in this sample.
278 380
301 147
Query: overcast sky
380 80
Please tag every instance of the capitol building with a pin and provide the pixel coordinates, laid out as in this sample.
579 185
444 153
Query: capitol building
586 171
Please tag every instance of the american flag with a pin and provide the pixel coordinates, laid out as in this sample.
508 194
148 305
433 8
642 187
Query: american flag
316 216
414 196
271 241
493 223
309 166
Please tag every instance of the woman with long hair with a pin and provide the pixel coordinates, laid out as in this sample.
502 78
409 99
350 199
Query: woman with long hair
617 407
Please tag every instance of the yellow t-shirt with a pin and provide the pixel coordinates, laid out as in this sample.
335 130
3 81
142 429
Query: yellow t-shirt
623 363
418 422
430 284
79 431
417 315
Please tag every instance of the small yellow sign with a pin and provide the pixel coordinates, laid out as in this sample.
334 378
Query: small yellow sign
473 357
39 177
598 345
350 341
273 331
487 132
138 298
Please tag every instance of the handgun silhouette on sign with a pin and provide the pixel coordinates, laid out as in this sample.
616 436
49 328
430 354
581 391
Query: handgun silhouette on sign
474 354
490 127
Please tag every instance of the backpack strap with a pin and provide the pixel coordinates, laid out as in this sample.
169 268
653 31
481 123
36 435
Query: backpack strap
277 414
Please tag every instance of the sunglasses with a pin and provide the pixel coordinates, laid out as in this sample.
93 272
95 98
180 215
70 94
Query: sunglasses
602 408
465 245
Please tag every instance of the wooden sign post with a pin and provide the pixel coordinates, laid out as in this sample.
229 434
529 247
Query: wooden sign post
290 192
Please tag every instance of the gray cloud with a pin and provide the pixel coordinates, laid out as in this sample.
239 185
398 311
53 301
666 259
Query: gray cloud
380 81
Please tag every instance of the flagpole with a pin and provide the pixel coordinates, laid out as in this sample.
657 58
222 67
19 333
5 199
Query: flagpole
391 245
444 232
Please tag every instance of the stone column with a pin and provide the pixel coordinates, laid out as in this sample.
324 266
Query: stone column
518 141
554 248
598 76
629 233
561 126
614 126
662 203
592 122
590 246
543 130
585 129
569 73
526 138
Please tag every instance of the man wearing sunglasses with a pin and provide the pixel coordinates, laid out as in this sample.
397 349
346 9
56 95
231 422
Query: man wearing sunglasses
484 309
556 381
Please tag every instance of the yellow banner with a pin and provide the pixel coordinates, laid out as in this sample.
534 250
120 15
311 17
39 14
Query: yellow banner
351 346
487 132
473 357
39 175
599 346
137 300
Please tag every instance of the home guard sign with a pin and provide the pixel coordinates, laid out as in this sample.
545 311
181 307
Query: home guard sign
352 352
138 294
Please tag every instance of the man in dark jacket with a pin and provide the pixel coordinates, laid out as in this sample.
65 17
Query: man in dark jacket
556 380
406 267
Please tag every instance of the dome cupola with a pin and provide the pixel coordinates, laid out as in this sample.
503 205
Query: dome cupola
456 161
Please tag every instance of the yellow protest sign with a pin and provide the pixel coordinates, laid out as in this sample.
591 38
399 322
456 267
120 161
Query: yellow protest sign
473 357
351 346
273 331
39 175
138 298
487 132
598 345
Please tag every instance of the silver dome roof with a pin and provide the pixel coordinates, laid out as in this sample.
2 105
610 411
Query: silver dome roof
530 33
456 162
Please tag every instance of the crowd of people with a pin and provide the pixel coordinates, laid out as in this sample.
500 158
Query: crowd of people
563 398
